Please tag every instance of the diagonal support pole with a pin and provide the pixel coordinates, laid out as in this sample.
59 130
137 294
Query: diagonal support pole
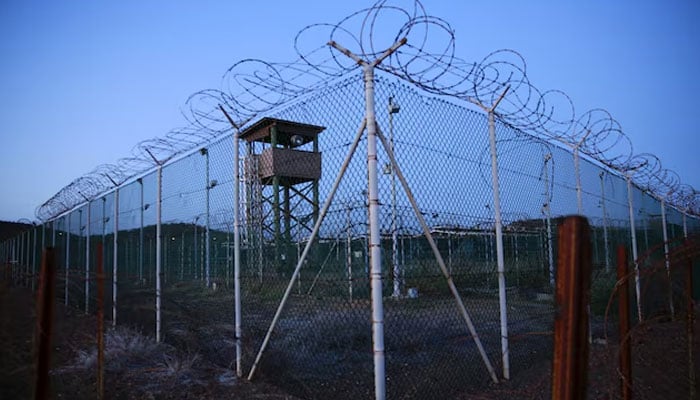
500 258
438 257
311 240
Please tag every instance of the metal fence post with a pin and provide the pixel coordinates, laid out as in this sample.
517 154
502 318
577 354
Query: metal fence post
633 234
394 108
35 251
158 249
606 243
373 197
236 243
667 260
142 209
100 322
505 358
375 239
67 266
548 216
87 258
115 256
570 359
207 257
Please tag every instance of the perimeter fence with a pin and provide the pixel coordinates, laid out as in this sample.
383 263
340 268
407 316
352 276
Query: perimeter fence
243 248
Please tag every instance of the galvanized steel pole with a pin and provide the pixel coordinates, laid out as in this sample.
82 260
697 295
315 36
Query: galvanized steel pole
667 259
207 271
236 244
373 197
158 247
87 258
115 257
140 181
548 215
633 234
605 222
396 268
499 243
159 193
67 217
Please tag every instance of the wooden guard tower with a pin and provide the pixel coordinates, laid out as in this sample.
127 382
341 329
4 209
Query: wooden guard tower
282 170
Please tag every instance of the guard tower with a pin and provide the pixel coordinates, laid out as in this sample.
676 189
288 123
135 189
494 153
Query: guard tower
282 170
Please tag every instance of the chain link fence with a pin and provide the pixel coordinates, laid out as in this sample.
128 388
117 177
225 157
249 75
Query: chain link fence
322 343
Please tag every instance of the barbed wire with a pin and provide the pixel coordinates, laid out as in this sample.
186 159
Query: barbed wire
252 87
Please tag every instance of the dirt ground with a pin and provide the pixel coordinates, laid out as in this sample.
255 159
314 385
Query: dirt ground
139 368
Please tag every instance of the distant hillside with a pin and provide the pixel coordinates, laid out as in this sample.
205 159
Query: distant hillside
11 229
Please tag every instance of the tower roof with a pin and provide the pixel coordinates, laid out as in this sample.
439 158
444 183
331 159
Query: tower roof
261 131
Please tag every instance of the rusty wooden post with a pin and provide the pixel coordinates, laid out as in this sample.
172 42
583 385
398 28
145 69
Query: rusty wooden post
689 322
100 323
624 323
44 306
570 363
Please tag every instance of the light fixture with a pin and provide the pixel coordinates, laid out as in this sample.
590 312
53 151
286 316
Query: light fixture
296 140
394 108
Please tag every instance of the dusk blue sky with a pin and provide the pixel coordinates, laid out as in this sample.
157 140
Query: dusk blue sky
82 82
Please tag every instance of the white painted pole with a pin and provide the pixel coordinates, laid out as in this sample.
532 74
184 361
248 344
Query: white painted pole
237 251
104 227
499 247
67 283
348 256
158 247
312 237
667 259
605 222
195 255
34 255
140 181
20 259
207 265
182 256
633 233
373 197
115 256
396 268
577 171
548 216
87 258
374 239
